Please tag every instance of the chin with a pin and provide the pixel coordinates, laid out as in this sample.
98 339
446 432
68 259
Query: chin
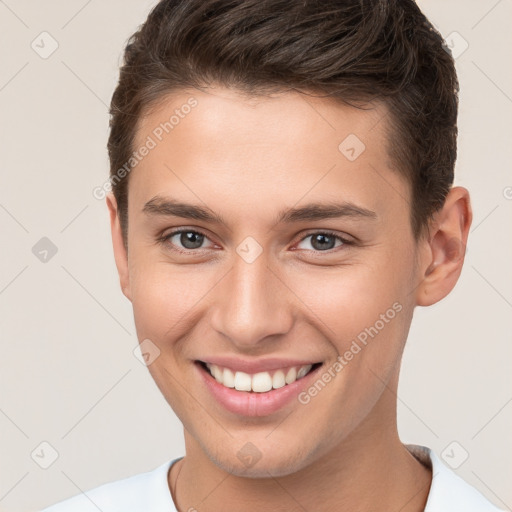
250 462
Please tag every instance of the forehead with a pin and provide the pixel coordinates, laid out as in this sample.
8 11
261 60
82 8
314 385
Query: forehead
279 118
243 151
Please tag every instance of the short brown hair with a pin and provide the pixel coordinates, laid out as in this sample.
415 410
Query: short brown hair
351 50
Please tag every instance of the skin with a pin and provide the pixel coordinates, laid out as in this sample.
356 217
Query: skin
247 159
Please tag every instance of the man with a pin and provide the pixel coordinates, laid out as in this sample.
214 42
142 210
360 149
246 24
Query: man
281 202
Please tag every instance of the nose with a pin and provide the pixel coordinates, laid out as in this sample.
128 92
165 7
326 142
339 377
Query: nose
252 305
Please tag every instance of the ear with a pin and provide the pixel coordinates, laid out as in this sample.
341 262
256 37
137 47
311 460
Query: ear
445 248
120 253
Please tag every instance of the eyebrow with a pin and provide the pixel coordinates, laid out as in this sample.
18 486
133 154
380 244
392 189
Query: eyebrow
311 212
321 211
170 207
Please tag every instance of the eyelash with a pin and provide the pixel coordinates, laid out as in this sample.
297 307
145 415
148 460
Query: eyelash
164 240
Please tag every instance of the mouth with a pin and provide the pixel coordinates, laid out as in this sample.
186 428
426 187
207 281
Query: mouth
256 393
260 382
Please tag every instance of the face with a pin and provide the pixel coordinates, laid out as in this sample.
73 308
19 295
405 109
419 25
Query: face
269 250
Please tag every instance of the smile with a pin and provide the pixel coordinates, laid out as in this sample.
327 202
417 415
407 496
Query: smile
260 382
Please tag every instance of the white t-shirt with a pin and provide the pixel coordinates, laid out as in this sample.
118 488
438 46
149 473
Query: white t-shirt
149 492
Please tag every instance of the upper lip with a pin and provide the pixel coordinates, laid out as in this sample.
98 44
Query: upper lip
255 366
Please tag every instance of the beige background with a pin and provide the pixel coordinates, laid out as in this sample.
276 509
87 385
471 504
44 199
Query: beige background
68 374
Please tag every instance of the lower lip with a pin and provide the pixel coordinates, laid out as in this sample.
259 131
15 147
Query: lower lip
254 404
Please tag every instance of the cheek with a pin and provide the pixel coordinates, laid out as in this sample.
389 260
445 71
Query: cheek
166 299
364 312
349 299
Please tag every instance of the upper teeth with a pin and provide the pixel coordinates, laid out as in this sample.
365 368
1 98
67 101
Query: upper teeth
259 382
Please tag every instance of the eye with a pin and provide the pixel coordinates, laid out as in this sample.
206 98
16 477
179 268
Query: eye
323 241
184 240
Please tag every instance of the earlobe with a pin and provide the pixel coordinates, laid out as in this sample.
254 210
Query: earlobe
446 248
120 252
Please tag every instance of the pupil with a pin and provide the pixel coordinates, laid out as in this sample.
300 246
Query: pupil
191 240
323 242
